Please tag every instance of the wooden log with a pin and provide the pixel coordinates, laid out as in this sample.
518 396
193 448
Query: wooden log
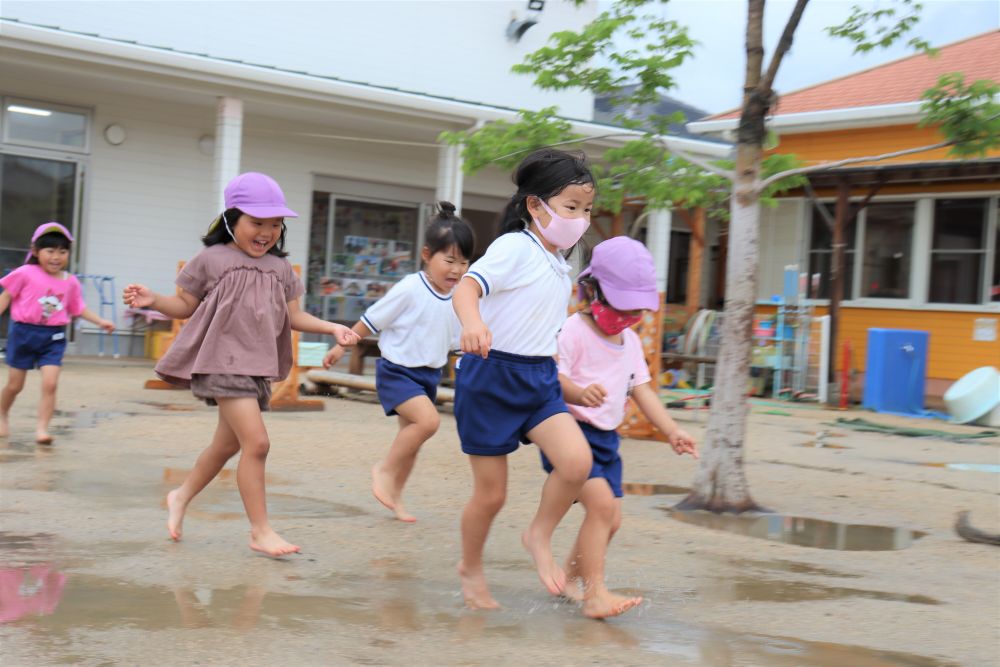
364 383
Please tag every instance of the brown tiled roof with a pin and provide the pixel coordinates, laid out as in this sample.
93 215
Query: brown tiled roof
896 82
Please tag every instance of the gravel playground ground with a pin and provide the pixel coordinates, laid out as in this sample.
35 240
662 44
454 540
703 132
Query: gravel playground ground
90 577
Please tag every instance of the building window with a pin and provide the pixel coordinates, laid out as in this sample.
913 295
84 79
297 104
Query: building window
958 250
44 125
821 254
995 283
885 273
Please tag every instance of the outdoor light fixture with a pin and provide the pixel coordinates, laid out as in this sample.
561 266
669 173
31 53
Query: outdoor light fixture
517 27
31 111
114 134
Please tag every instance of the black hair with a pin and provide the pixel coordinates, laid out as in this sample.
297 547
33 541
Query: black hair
48 240
218 233
544 174
447 230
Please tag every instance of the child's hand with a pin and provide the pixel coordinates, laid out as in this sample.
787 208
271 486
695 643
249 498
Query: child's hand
344 335
477 339
138 296
107 325
335 354
593 396
683 443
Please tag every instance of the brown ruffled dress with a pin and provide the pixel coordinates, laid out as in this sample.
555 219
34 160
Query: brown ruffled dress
241 326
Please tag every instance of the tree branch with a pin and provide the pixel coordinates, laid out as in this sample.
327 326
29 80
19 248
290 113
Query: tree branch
784 44
761 186
578 140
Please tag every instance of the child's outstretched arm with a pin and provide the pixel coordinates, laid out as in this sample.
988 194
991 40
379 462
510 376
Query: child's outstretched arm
476 337
303 321
645 397
4 301
590 396
94 318
179 306
337 351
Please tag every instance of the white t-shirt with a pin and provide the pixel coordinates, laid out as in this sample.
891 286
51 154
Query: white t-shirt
416 325
526 292
585 358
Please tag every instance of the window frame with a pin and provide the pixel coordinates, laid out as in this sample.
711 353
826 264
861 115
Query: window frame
6 139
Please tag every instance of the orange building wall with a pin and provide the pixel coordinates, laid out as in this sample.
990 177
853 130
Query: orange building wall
816 147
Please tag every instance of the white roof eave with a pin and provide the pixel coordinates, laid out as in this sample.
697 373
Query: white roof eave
60 43
827 120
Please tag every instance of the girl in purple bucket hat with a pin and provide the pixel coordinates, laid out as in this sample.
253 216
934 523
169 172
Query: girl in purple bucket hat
43 298
241 299
601 366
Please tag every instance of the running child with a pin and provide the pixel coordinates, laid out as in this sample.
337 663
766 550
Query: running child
242 298
507 387
43 298
601 365
416 327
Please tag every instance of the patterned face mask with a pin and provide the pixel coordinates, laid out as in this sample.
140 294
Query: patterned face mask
611 321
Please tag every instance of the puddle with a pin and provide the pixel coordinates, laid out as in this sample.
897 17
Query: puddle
818 444
417 622
792 567
169 407
90 418
636 489
226 477
279 506
966 467
805 532
29 591
770 590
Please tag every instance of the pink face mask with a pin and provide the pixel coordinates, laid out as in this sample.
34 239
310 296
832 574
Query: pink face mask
611 321
562 232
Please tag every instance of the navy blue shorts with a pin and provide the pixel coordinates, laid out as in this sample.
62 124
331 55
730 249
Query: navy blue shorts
607 462
397 384
500 398
35 345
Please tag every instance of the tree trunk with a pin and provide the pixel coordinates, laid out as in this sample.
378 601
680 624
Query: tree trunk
720 484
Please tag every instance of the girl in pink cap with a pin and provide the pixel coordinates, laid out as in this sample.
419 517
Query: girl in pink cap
43 297
601 366
241 299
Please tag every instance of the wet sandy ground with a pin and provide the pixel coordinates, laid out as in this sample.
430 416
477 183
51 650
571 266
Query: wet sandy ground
89 577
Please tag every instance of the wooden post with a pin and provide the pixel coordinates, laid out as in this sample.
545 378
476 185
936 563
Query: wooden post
837 267
696 221
650 331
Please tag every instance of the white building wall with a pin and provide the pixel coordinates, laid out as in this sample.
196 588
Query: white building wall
452 48
780 243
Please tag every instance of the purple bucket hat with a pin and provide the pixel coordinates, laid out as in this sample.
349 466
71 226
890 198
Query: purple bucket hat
51 226
625 271
257 195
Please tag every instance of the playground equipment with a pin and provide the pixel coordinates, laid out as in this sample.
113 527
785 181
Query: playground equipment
107 306
364 383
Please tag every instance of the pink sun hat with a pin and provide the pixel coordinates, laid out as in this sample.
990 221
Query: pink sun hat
257 195
626 273
51 226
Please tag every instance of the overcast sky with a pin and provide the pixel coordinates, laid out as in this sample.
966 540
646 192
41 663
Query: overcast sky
713 78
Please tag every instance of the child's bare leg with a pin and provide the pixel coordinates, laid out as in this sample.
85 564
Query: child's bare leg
573 560
47 403
603 516
244 417
418 421
564 445
15 383
223 447
488 495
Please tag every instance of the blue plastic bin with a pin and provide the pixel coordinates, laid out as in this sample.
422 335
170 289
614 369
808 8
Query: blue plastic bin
896 371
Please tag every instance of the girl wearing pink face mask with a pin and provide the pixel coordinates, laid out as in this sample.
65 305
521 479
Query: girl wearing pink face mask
601 365
512 303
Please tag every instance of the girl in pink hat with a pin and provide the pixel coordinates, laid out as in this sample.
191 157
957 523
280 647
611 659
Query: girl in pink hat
241 299
43 298
601 366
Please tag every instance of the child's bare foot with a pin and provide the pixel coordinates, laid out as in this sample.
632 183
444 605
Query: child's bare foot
175 515
605 604
541 551
42 437
383 488
572 590
270 543
474 589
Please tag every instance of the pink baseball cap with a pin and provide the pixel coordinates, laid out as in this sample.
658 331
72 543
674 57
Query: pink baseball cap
625 271
258 195
51 226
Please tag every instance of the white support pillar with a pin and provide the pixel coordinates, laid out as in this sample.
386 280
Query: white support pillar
450 178
658 241
228 145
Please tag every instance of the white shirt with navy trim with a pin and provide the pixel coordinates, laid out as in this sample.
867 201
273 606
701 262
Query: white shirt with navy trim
415 324
526 292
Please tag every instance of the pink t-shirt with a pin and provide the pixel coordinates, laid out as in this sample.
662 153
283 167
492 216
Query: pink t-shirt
586 358
36 297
